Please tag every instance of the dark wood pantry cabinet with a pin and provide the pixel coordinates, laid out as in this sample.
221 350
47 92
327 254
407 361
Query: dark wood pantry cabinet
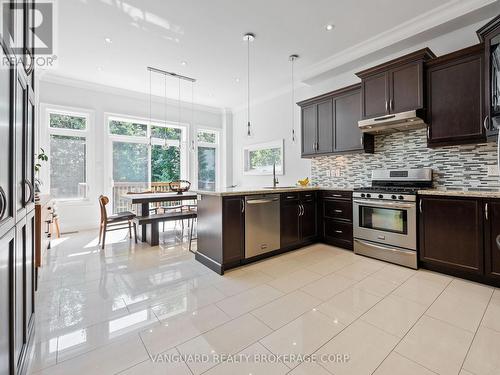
330 124
455 98
17 132
395 86
489 34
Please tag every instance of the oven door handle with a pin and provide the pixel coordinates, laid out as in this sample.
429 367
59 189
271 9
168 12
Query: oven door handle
385 248
384 204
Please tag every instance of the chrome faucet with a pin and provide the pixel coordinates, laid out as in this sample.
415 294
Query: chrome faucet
275 180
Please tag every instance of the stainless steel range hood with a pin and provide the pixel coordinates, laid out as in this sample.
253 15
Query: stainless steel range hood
393 123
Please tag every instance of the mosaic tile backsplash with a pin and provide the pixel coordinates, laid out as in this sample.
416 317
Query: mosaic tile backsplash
455 167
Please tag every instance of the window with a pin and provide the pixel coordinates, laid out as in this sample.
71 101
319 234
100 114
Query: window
144 156
208 159
260 159
68 155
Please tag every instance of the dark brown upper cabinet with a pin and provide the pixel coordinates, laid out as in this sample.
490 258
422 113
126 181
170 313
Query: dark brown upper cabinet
330 123
455 95
489 34
395 86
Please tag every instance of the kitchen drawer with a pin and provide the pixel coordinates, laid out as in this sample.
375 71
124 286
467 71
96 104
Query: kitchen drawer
292 196
338 233
337 194
308 196
337 209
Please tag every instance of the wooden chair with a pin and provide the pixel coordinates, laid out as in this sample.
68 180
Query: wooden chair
114 222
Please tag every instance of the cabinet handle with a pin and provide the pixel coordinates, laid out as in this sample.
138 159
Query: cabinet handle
242 206
3 203
391 104
314 146
362 141
30 186
338 211
498 242
29 69
428 132
290 197
339 231
300 210
336 195
486 211
420 206
386 106
485 123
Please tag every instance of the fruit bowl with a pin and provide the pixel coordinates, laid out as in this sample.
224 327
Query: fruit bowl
180 187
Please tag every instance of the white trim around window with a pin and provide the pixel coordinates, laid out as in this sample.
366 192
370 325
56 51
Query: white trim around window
215 145
46 131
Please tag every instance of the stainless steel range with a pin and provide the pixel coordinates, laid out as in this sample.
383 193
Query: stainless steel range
385 215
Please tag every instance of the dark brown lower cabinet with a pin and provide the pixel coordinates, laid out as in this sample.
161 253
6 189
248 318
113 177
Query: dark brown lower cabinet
299 219
290 222
492 240
233 219
451 235
309 220
336 213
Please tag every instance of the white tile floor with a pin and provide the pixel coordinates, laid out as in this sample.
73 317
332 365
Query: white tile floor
133 309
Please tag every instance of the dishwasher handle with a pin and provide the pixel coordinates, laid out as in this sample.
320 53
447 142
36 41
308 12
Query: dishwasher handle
262 201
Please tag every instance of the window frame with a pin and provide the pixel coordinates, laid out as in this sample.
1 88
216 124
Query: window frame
216 146
47 131
110 138
280 143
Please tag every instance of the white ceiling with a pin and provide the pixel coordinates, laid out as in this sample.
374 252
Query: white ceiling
208 35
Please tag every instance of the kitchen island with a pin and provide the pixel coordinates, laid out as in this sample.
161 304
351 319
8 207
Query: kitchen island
237 226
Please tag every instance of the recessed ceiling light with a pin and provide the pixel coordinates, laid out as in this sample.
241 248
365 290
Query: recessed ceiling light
100 68
184 63
329 27
237 80
108 40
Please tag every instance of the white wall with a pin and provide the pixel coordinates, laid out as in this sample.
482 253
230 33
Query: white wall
102 100
271 117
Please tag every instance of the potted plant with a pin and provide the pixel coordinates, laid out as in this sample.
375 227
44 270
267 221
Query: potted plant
40 158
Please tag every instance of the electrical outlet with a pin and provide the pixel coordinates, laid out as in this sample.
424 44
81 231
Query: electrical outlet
492 170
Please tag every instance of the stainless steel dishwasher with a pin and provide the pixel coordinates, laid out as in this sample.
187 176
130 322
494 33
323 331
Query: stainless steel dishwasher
262 224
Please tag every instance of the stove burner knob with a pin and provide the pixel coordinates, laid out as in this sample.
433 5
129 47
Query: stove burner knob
401 197
394 197
368 195
363 195
381 196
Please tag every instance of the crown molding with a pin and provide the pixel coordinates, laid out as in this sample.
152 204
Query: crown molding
71 82
423 22
444 13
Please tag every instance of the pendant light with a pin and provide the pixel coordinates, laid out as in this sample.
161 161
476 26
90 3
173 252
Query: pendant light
292 59
249 37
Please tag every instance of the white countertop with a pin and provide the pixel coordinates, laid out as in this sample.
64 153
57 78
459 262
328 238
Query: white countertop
242 190
473 193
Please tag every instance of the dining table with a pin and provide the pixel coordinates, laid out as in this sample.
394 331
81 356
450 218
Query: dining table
143 201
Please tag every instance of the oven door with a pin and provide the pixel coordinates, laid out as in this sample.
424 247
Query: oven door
386 222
